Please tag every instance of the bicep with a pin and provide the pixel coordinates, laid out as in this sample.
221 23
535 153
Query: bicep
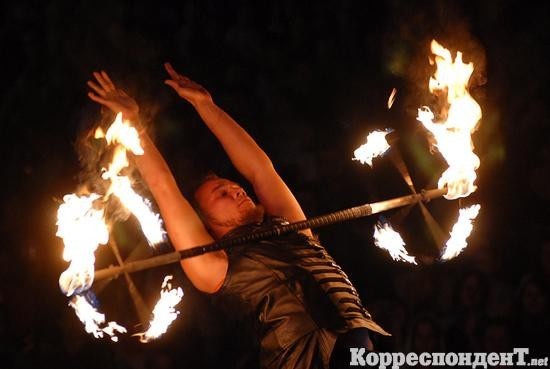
276 197
186 230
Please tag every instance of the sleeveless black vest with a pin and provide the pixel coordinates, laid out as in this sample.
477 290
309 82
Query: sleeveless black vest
290 286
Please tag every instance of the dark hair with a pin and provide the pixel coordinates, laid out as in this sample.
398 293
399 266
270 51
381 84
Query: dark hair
208 177
193 199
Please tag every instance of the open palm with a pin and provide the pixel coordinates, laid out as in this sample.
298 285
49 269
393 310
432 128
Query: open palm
107 94
186 88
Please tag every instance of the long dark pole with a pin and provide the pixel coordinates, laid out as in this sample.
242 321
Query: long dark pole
320 221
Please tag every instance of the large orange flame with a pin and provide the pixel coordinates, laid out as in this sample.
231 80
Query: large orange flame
453 134
127 137
82 228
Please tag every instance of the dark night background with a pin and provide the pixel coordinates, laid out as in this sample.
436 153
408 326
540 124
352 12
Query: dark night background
308 80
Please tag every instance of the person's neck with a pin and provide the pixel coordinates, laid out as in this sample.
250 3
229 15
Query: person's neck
219 231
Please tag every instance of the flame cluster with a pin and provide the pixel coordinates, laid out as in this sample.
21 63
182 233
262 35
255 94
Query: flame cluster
456 121
164 312
93 320
80 219
82 226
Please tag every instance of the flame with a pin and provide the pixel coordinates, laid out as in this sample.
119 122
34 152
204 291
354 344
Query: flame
98 133
92 319
461 230
375 146
453 136
83 229
128 138
391 98
163 313
123 133
150 222
388 239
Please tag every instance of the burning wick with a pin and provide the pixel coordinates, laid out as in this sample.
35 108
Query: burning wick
163 313
461 230
127 136
83 229
375 146
391 99
453 135
92 319
387 239
123 133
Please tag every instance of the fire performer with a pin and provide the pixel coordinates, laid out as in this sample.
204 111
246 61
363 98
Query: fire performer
306 311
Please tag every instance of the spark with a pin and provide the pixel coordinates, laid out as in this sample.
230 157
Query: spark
391 99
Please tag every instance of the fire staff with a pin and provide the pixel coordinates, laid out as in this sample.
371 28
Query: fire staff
305 310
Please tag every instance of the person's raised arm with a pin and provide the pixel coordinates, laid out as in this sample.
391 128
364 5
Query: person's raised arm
183 225
245 154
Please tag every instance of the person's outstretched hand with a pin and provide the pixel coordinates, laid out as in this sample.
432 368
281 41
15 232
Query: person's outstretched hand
107 94
186 88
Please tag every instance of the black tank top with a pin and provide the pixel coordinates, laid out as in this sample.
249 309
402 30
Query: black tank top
290 286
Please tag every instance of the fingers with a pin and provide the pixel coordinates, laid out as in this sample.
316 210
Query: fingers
171 71
179 78
107 79
104 86
94 86
105 83
98 99
104 102
172 84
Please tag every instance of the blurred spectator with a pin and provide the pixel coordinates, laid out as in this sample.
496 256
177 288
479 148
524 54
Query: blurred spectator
468 313
496 336
393 315
417 288
542 266
425 334
532 325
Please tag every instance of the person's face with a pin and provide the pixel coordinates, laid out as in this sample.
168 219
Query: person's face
225 203
533 299
424 338
471 294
